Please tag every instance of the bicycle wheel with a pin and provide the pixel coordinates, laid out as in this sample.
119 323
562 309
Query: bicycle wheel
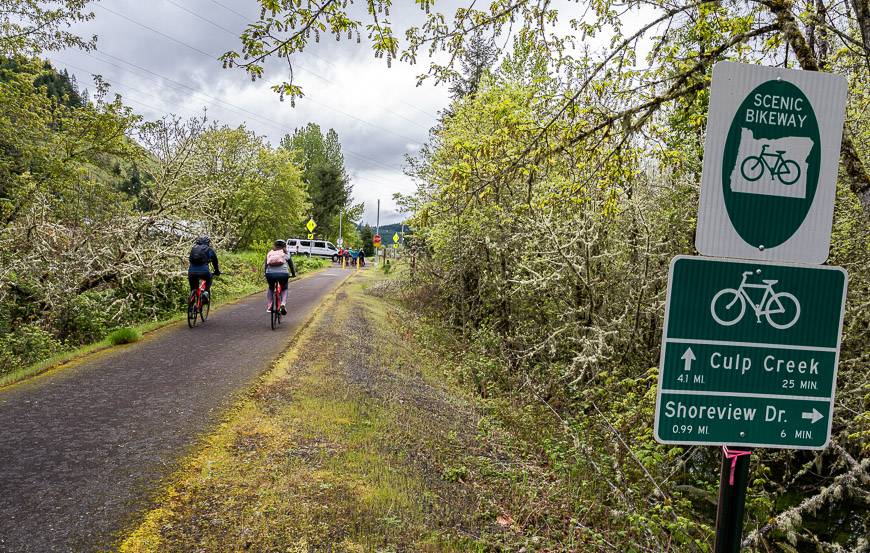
274 317
752 168
191 309
731 313
789 172
785 317
203 312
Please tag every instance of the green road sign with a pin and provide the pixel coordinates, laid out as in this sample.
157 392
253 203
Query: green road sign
749 353
770 163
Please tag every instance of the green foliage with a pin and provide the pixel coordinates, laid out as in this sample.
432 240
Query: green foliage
366 237
307 264
124 335
252 191
550 263
29 27
325 177
26 344
85 318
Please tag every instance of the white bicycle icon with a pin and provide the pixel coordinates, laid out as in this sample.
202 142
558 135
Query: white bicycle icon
781 309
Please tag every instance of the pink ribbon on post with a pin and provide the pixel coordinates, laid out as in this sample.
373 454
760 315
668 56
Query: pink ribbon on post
733 455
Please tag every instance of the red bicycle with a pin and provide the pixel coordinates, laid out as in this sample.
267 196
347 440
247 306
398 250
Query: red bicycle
275 309
196 308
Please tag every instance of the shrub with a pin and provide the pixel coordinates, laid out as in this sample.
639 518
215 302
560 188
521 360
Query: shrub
84 319
24 346
124 335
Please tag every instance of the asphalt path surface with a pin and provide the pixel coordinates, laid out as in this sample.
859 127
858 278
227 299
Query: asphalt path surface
83 449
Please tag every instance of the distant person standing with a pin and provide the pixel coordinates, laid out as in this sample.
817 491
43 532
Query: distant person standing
277 269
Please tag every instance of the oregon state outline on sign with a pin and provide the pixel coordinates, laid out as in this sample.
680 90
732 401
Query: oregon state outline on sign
770 168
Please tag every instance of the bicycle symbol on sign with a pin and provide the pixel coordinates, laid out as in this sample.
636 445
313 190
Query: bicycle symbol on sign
784 170
781 309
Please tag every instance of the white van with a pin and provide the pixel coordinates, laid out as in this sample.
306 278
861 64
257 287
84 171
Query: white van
316 248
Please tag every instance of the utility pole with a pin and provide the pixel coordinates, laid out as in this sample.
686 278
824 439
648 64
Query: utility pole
377 228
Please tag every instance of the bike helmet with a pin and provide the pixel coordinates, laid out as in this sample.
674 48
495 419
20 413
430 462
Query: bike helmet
280 243
204 240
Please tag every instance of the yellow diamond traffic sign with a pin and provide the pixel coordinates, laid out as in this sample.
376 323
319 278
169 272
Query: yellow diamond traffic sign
311 226
396 237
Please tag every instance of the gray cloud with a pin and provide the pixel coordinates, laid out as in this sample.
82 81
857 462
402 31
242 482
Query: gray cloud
379 113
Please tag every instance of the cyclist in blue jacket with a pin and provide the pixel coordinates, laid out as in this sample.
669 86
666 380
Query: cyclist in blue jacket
201 256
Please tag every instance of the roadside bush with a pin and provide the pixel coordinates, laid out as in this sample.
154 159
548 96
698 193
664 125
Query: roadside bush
124 335
84 319
307 264
26 345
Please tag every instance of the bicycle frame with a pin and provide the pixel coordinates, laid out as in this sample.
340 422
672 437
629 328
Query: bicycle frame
757 308
774 169
276 300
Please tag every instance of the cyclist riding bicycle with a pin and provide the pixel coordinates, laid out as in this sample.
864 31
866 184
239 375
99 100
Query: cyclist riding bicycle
201 255
278 269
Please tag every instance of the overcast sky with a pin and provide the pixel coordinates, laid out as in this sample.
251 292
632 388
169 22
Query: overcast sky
161 55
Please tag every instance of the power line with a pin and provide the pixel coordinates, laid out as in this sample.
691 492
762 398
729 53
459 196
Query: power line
153 30
195 49
324 60
209 21
163 111
229 9
154 75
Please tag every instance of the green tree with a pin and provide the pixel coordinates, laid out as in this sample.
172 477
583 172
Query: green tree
324 174
366 236
245 191
29 27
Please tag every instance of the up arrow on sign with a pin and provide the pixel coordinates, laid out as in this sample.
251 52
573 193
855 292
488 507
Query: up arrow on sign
688 357
770 163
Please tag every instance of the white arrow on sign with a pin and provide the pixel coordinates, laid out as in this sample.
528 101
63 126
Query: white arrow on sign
814 416
688 357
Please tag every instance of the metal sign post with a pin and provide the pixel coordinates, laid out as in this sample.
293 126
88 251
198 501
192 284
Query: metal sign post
310 225
733 482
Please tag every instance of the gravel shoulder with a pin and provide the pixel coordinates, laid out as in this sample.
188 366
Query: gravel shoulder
351 443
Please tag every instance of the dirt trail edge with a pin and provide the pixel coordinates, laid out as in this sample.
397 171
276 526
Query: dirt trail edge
82 449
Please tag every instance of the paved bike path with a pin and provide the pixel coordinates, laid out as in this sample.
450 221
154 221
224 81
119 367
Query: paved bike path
83 449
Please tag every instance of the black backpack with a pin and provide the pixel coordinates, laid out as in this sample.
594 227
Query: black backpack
199 254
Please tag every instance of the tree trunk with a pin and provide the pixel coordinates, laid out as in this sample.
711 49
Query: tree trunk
856 169
862 16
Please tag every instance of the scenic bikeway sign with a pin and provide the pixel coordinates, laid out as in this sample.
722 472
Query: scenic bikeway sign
396 239
770 163
749 353
311 225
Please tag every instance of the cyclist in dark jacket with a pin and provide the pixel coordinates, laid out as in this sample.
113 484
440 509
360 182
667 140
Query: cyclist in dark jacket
201 255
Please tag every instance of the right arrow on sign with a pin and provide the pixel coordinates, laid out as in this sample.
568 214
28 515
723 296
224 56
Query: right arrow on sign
814 417
688 357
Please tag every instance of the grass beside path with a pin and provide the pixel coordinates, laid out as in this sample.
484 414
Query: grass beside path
351 442
242 277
